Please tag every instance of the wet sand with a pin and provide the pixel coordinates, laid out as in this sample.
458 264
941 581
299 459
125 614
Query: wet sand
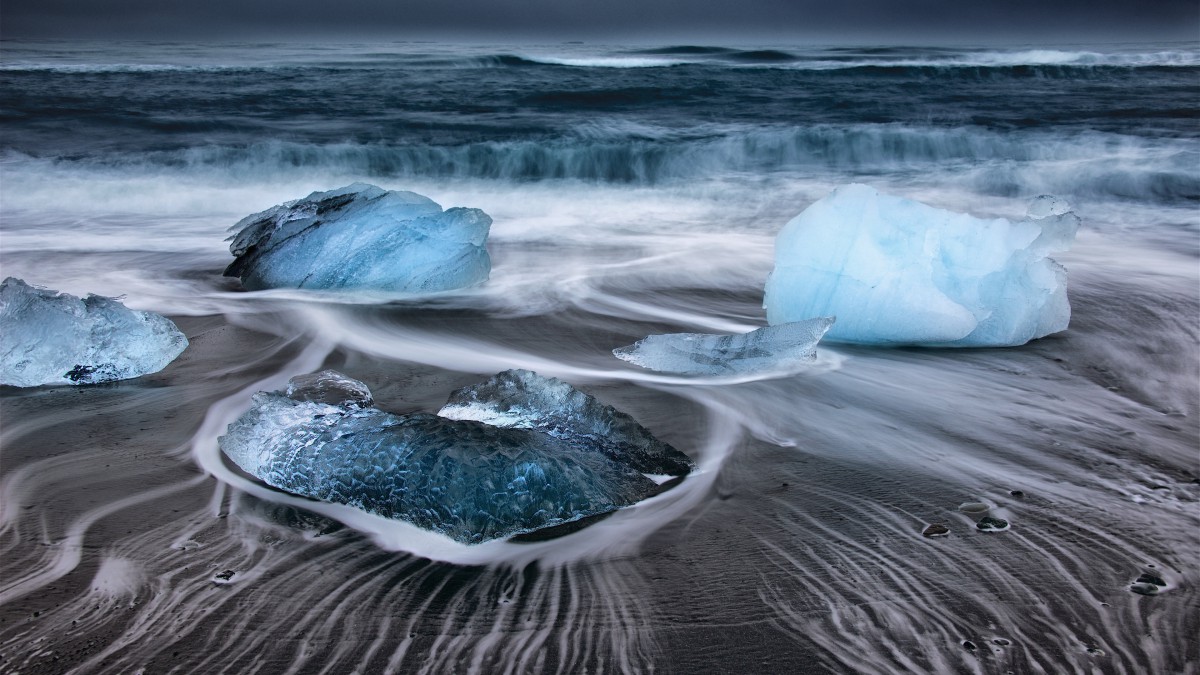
802 551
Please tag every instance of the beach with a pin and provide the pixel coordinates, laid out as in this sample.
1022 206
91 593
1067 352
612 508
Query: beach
634 190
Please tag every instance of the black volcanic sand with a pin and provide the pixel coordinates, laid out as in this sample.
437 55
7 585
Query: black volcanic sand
806 555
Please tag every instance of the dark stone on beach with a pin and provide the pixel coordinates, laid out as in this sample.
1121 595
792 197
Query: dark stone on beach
969 645
989 524
1149 578
936 530
1016 493
1095 652
1144 589
224 576
1001 641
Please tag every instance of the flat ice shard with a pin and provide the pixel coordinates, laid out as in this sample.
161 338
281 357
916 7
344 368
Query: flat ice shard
521 399
467 480
48 337
362 237
898 272
764 349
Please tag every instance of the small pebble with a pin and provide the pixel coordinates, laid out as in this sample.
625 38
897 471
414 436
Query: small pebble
1144 589
1016 493
969 645
1001 641
936 531
989 524
1095 652
974 507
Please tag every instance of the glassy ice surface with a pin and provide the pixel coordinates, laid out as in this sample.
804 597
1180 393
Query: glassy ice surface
768 348
329 386
895 271
362 237
48 337
465 479
523 399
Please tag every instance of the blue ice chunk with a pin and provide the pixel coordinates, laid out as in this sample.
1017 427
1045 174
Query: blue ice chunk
48 337
765 349
469 481
898 272
522 399
362 237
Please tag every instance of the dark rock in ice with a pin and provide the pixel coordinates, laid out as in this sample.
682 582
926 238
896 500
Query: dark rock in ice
765 349
522 399
989 524
48 337
936 530
362 237
465 479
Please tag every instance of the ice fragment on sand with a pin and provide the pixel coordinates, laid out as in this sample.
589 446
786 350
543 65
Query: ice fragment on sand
329 386
465 479
768 348
522 399
55 338
936 530
895 271
362 237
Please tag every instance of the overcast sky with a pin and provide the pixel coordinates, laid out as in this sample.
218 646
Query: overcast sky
894 21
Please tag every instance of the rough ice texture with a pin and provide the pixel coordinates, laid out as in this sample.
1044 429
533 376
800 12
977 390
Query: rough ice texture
362 237
465 479
895 271
48 337
765 349
525 400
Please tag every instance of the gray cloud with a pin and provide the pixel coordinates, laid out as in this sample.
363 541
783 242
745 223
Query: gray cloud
965 20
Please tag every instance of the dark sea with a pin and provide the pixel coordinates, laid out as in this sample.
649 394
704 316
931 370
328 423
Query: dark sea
634 190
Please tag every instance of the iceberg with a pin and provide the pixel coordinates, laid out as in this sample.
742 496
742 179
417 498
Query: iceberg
361 237
769 348
521 399
465 479
898 272
48 337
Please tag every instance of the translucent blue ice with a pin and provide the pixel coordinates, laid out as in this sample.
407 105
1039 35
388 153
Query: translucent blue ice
48 337
362 237
522 399
769 348
895 271
465 479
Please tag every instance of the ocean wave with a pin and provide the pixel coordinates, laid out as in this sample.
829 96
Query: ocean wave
1094 163
898 59
106 68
